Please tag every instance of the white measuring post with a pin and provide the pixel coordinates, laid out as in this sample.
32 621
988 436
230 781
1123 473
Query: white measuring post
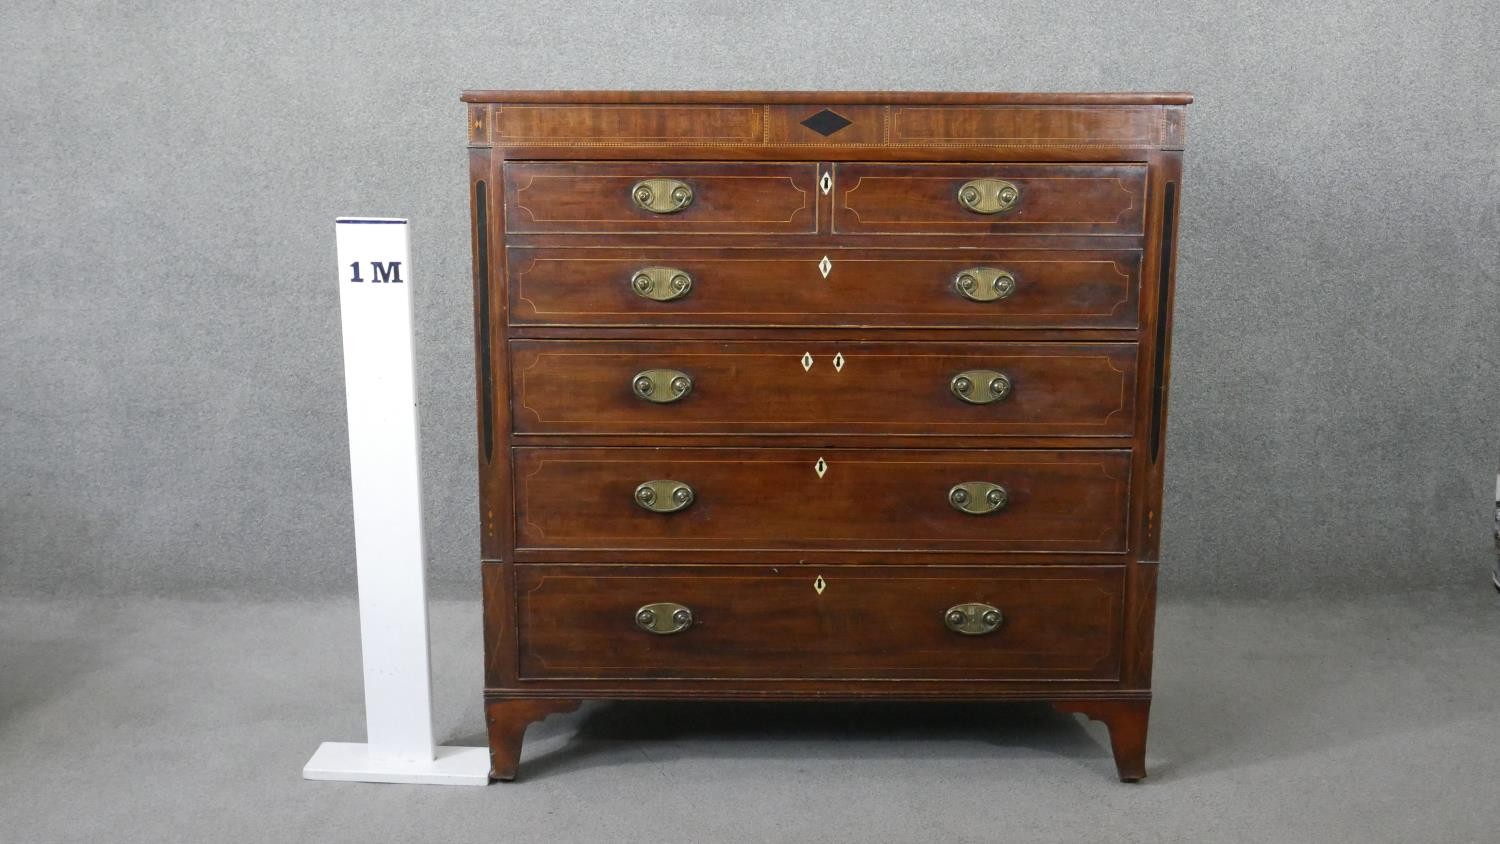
375 300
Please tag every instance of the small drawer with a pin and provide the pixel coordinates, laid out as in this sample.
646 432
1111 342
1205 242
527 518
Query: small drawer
651 197
805 622
669 387
976 199
979 288
784 498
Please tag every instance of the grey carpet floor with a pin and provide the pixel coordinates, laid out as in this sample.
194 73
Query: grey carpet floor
1364 720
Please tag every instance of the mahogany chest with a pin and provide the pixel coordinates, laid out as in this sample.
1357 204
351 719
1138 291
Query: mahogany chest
826 396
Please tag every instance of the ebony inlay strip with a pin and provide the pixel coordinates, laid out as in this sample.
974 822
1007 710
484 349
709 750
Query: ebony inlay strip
486 372
1163 310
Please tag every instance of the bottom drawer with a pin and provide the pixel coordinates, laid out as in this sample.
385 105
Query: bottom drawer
865 622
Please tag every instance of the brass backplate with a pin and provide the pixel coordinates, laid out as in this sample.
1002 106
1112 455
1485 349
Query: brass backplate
973 619
663 496
978 497
980 386
664 618
984 284
661 196
988 196
662 386
661 284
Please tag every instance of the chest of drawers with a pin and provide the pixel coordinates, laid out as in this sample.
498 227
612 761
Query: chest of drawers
831 396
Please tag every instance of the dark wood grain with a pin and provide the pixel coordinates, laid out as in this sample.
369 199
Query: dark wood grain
773 498
1127 721
966 152
491 354
578 622
1079 444
864 287
754 387
1153 421
923 198
507 721
596 197
830 243
1140 624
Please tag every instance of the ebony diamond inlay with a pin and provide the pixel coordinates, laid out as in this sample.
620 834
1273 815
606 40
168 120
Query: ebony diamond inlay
826 122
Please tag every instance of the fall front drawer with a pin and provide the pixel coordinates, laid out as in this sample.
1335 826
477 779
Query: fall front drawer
670 388
796 622
981 198
825 287
685 498
653 196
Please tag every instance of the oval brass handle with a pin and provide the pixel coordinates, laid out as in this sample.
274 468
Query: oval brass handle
661 196
661 284
973 619
664 618
662 386
988 196
978 497
664 496
984 284
980 386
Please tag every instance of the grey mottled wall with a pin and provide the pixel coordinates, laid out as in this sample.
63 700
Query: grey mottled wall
171 414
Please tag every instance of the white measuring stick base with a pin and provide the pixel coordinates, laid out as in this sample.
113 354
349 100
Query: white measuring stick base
350 762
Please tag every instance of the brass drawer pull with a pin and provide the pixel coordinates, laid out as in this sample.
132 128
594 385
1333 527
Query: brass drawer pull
973 619
988 196
661 196
661 284
662 386
664 618
978 497
980 386
984 284
664 496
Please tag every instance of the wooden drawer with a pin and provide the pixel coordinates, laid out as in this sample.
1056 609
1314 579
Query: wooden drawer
744 499
787 287
591 196
1053 198
1054 389
749 622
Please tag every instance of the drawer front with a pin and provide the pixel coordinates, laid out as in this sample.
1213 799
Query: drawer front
892 499
1052 389
753 622
687 198
929 199
1045 289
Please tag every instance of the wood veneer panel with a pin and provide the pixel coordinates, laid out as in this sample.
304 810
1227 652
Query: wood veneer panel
1060 501
728 198
838 387
863 287
578 622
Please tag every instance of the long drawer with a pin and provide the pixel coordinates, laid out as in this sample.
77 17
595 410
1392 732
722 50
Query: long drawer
983 198
725 622
807 287
658 196
938 499
669 387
